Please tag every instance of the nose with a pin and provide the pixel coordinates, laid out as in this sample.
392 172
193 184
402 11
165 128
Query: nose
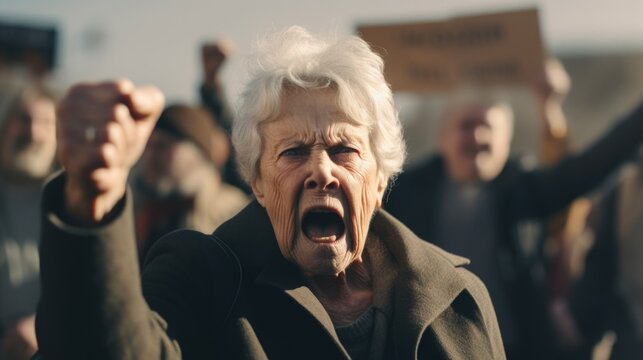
481 134
320 176
35 129
38 129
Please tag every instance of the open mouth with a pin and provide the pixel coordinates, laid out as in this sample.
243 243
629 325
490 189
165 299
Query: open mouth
323 225
474 150
483 148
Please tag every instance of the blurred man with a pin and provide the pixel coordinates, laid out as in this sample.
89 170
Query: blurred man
27 153
474 201
178 183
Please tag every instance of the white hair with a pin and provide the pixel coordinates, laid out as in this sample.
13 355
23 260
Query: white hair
468 97
15 89
295 58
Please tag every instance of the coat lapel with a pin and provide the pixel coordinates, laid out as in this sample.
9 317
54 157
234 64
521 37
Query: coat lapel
426 285
285 276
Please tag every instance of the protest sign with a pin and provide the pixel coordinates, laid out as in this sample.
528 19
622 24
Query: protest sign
490 49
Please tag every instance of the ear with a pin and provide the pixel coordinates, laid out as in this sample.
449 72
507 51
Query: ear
443 132
220 151
258 189
382 183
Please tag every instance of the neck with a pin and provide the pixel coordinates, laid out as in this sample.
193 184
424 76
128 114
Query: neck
346 296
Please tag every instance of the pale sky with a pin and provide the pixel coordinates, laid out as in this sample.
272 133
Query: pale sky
156 41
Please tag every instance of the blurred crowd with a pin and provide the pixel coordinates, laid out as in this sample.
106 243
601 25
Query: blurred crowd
558 245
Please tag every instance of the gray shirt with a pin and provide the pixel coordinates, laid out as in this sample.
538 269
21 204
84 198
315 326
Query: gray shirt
19 262
466 226
356 337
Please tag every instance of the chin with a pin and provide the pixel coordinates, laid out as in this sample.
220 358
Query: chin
324 270
488 173
322 259
33 165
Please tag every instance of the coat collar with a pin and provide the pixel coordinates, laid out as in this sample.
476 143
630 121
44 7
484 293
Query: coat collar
426 283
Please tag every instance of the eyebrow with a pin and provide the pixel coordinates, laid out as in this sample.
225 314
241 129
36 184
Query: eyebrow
339 139
290 141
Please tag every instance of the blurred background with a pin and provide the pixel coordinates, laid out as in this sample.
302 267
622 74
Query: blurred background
600 43
158 41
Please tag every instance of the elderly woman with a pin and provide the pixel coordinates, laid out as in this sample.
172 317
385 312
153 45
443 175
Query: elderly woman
312 269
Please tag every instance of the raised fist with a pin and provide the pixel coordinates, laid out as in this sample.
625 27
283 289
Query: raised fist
102 130
213 56
554 82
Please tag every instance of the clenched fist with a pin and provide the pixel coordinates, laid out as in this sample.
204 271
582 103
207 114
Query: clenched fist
102 130
213 56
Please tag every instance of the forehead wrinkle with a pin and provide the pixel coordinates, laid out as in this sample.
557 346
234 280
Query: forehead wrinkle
278 133
302 122
338 133
291 137
352 135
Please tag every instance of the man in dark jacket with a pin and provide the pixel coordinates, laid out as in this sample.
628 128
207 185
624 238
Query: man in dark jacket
473 201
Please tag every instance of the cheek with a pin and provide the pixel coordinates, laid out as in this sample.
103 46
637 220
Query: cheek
183 160
454 150
361 189
51 136
281 192
11 134
281 186
503 143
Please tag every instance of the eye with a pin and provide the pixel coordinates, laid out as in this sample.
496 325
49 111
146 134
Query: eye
294 152
342 149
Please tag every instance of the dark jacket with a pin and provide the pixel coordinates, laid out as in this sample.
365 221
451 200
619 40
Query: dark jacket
523 200
599 302
232 295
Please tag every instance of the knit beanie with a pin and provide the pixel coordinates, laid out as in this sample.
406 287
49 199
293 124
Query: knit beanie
198 126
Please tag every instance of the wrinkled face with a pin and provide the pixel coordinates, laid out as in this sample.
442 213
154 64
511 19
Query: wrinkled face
475 142
319 182
28 142
172 167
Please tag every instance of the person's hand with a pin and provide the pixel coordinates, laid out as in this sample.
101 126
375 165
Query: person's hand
213 56
554 82
102 130
551 89
19 341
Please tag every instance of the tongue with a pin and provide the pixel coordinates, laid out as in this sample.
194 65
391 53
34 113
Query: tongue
322 225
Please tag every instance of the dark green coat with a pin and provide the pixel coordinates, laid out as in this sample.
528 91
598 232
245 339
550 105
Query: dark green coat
203 307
